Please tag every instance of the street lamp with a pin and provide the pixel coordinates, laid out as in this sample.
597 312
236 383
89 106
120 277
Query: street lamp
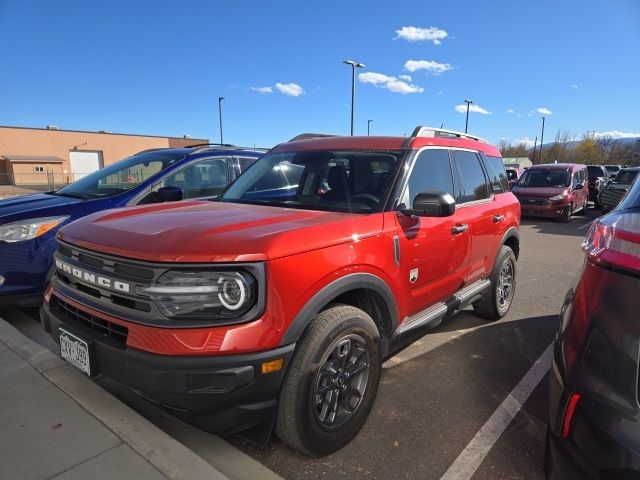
368 123
220 115
541 139
354 65
466 123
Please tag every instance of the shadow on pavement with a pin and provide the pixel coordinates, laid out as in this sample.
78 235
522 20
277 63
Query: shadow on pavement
422 419
578 226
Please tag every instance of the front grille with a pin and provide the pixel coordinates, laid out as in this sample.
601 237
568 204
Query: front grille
611 196
77 317
535 201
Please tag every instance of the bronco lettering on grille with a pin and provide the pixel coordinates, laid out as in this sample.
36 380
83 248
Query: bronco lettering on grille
93 278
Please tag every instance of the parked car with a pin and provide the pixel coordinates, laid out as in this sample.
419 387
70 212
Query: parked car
613 192
555 190
594 415
255 311
513 175
598 178
29 223
613 170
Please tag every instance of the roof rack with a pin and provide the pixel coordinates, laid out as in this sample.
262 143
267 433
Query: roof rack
203 146
305 136
441 132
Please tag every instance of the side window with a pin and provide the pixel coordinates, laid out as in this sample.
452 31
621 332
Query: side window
203 178
575 180
472 177
245 162
431 171
497 173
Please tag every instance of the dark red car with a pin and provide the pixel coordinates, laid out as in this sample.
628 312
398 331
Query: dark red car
555 190
594 414
277 306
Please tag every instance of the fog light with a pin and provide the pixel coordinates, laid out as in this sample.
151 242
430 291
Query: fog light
272 366
1 280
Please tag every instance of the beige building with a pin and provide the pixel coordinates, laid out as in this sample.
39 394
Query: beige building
50 157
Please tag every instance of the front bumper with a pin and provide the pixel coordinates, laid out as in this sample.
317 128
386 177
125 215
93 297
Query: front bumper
550 211
223 394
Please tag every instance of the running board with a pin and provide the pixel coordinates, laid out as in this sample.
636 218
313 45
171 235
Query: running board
420 323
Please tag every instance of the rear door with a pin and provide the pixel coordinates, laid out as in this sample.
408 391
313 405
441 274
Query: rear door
433 252
484 212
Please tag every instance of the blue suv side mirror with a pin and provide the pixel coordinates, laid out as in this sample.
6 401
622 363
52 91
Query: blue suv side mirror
170 194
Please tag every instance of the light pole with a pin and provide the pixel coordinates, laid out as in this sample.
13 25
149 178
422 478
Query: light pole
220 115
354 65
466 123
541 139
368 123
535 144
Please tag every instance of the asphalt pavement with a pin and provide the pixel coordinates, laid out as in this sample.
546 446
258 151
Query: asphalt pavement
436 397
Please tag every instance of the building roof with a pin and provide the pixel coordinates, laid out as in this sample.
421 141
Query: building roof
33 159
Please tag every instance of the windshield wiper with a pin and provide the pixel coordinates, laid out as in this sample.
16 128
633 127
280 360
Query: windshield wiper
71 194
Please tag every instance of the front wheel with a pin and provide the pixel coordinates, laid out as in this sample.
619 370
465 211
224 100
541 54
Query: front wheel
566 216
332 382
497 300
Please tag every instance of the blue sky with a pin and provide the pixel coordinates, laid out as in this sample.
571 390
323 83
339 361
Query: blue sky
158 67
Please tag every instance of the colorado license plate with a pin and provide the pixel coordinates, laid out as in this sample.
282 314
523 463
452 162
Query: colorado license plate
75 351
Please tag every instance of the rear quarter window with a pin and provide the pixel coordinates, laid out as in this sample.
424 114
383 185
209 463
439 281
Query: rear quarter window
497 173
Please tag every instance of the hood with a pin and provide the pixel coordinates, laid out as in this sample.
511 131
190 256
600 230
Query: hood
33 206
537 192
215 232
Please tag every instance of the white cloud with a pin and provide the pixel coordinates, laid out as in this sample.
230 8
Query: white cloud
574 86
544 111
434 68
290 89
440 92
262 89
616 134
416 34
393 84
462 108
527 142
406 78
510 110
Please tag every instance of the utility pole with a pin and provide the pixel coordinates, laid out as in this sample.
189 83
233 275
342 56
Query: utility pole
535 144
466 123
220 99
354 65
368 124
541 139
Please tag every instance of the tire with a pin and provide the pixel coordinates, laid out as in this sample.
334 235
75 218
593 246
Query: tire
494 304
566 216
317 424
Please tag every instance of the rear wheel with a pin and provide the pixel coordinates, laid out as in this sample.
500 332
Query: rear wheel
497 299
332 382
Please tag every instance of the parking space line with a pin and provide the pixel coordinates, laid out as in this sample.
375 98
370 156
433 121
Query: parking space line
475 452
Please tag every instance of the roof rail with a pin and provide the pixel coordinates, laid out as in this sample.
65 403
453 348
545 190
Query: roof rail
305 136
150 150
441 132
209 145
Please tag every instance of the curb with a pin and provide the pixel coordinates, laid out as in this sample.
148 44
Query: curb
169 456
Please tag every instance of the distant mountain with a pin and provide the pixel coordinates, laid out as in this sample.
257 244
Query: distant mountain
572 144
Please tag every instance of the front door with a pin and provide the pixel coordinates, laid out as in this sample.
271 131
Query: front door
433 250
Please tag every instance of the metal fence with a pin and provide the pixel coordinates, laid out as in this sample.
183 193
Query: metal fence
12 184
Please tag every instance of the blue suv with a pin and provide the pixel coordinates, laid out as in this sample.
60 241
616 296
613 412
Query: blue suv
28 224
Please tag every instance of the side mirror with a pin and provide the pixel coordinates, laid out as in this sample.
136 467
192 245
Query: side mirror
432 204
579 186
170 194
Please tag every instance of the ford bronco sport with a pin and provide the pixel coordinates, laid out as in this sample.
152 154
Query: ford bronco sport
274 306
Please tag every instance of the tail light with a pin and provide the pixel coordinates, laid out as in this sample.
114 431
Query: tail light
569 413
614 241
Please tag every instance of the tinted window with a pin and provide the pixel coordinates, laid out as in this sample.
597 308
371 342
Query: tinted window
626 176
497 173
545 178
203 178
596 171
245 162
472 178
431 171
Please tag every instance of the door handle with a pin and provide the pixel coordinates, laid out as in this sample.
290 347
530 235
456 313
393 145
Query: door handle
458 229
498 218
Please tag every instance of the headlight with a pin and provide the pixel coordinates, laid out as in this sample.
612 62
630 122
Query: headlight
187 294
562 196
28 229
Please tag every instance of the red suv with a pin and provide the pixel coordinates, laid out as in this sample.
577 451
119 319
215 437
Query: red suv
276 305
554 190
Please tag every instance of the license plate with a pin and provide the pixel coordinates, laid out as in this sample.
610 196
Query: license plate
75 351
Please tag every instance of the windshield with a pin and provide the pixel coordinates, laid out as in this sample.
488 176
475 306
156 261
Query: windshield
595 171
626 176
121 176
341 181
544 178
612 168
